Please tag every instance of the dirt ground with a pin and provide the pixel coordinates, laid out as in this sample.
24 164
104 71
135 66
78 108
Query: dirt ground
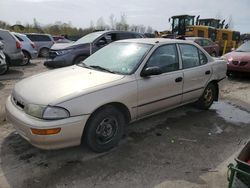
181 148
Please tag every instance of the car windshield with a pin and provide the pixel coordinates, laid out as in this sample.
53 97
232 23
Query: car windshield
89 38
118 57
244 47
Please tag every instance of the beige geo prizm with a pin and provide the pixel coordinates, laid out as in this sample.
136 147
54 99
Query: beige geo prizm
94 101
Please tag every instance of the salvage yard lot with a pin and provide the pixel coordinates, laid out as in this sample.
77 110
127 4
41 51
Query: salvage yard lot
184 147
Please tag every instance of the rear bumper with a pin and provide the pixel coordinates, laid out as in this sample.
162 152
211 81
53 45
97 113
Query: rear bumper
70 134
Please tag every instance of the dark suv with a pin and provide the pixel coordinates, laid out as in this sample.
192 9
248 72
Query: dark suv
43 43
61 55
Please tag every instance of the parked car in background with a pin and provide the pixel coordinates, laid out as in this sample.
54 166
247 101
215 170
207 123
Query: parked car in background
28 47
12 48
61 39
127 80
43 43
239 59
3 65
211 47
73 53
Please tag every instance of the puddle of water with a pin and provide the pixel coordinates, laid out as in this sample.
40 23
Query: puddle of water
231 113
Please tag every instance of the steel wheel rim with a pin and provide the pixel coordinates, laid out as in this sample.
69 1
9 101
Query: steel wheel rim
106 130
208 96
25 60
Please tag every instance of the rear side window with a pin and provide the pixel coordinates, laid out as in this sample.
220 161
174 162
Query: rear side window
35 38
189 55
121 36
165 57
192 56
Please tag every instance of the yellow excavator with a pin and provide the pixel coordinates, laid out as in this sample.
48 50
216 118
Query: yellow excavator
186 25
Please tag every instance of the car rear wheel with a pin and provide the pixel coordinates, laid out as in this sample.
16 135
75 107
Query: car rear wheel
4 69
79 59
44 52
207 98
104 129
26 59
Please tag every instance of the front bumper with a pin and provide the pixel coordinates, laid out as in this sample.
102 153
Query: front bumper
70 134
60 61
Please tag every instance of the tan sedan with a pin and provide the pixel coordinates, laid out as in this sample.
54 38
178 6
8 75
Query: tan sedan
123 82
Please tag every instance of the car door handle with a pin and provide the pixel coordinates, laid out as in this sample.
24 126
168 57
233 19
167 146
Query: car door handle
179 79
207 72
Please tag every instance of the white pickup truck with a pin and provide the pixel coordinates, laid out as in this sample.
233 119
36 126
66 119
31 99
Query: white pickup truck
123 82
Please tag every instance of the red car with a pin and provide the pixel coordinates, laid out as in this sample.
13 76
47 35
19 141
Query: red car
239 60
211 47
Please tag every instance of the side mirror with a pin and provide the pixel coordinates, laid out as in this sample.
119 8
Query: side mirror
1 46
101 43
151 71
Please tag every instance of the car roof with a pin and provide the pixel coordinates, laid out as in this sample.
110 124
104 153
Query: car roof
155 41
194 38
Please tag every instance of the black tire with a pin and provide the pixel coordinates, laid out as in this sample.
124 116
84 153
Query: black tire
104 129
207 98
4 70
44 52
79 59
26 59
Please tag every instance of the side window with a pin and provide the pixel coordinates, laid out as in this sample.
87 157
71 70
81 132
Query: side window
207 42
165 57
121 36
190 56
33 38
203 58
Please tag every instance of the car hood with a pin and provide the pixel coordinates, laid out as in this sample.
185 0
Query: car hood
61 84
238 56
63 46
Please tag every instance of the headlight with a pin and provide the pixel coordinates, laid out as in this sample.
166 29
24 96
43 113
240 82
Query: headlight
62 52
34 110
52 112
44 112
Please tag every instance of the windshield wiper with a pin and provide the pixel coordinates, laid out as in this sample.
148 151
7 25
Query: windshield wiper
101 68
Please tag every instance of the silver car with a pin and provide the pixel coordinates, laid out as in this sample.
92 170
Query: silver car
3 65
12 48
28 47
43 43
94 101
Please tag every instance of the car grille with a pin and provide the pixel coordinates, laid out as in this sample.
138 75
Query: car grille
243 63
52 54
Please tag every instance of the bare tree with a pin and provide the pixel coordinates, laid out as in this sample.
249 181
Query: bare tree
112 21
230 22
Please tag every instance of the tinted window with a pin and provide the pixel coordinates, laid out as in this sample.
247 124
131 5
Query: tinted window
165 57
18 38
38 37
206 42
190 56
120 36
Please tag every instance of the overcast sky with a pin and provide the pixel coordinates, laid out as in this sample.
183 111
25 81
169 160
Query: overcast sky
154 13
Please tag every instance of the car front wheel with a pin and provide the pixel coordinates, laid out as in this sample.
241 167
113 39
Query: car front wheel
104 129
207 98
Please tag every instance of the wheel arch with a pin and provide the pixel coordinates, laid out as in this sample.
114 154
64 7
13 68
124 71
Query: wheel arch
26 51
119 106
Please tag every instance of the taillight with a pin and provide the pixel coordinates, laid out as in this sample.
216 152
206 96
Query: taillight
33 45
18 45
